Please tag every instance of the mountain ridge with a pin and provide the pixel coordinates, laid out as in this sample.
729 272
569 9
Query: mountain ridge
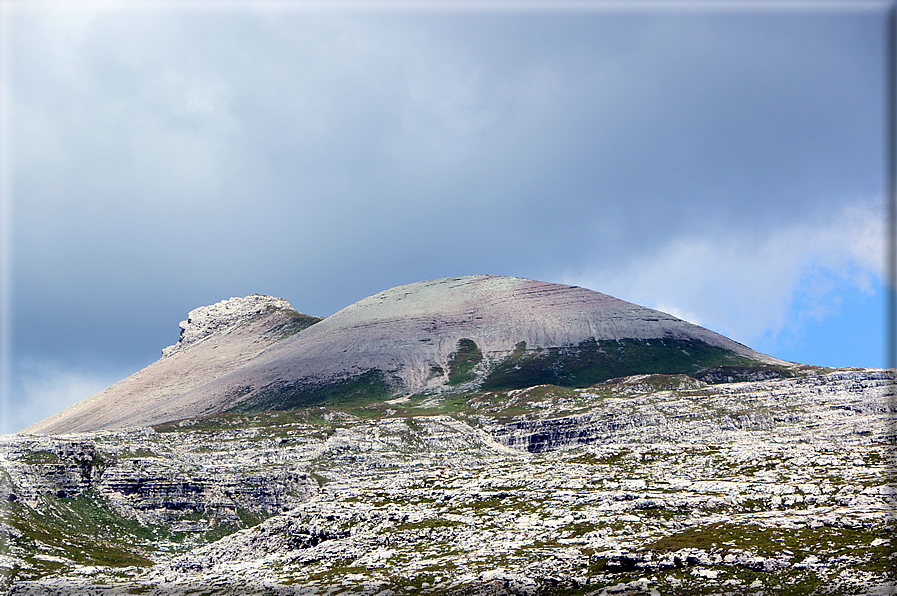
135 400
437 336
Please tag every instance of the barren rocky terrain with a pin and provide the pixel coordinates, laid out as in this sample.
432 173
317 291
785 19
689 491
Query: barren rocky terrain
650 484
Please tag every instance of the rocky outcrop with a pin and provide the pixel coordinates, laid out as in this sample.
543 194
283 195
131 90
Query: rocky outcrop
806 403
206 321
36 467
144 480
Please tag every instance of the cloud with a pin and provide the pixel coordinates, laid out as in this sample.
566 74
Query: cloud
748 286
162 160
41 389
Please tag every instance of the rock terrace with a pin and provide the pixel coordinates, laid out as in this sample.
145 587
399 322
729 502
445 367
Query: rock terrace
646 485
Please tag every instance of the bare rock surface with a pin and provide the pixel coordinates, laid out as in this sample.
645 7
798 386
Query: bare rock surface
205 321
656 485
214 341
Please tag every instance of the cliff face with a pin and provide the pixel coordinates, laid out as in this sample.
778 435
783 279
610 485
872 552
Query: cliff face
141 478
647 484
448 335
641 406
220 319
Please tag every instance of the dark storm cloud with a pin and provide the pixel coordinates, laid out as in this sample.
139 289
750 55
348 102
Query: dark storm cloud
166 160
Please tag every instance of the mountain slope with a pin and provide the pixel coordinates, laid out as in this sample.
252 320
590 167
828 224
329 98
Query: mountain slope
445 335
214 340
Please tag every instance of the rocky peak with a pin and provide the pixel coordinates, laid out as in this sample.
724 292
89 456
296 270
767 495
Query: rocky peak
205 321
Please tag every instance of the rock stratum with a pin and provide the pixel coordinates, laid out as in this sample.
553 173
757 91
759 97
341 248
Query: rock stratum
446 335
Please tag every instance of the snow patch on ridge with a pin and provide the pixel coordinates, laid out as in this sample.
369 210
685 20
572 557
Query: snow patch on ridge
205 321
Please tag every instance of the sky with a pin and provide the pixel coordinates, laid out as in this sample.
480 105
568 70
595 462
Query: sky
724 162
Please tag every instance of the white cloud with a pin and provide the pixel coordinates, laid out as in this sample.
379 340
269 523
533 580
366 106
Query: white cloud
42 389
168 159
747 286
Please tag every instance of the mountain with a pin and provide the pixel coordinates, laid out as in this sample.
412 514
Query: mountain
214 340
467 436
437 337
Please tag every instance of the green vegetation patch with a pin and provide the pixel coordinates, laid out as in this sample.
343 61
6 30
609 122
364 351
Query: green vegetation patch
293 323
594 361
334 574
462 362
230 420
658 382
824 542
352 394
839 548
427 524
39 458
733 373
506 405
595 460
61 532
680 582
141 452
84 530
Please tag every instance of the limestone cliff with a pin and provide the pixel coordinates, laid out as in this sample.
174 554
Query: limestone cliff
206 321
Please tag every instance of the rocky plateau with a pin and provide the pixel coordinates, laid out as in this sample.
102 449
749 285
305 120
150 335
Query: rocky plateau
745 475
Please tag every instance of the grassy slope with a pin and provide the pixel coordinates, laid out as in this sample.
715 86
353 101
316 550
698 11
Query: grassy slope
586 364
594 361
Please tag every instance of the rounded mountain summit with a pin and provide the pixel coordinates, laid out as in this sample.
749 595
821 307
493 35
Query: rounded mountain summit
450 335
